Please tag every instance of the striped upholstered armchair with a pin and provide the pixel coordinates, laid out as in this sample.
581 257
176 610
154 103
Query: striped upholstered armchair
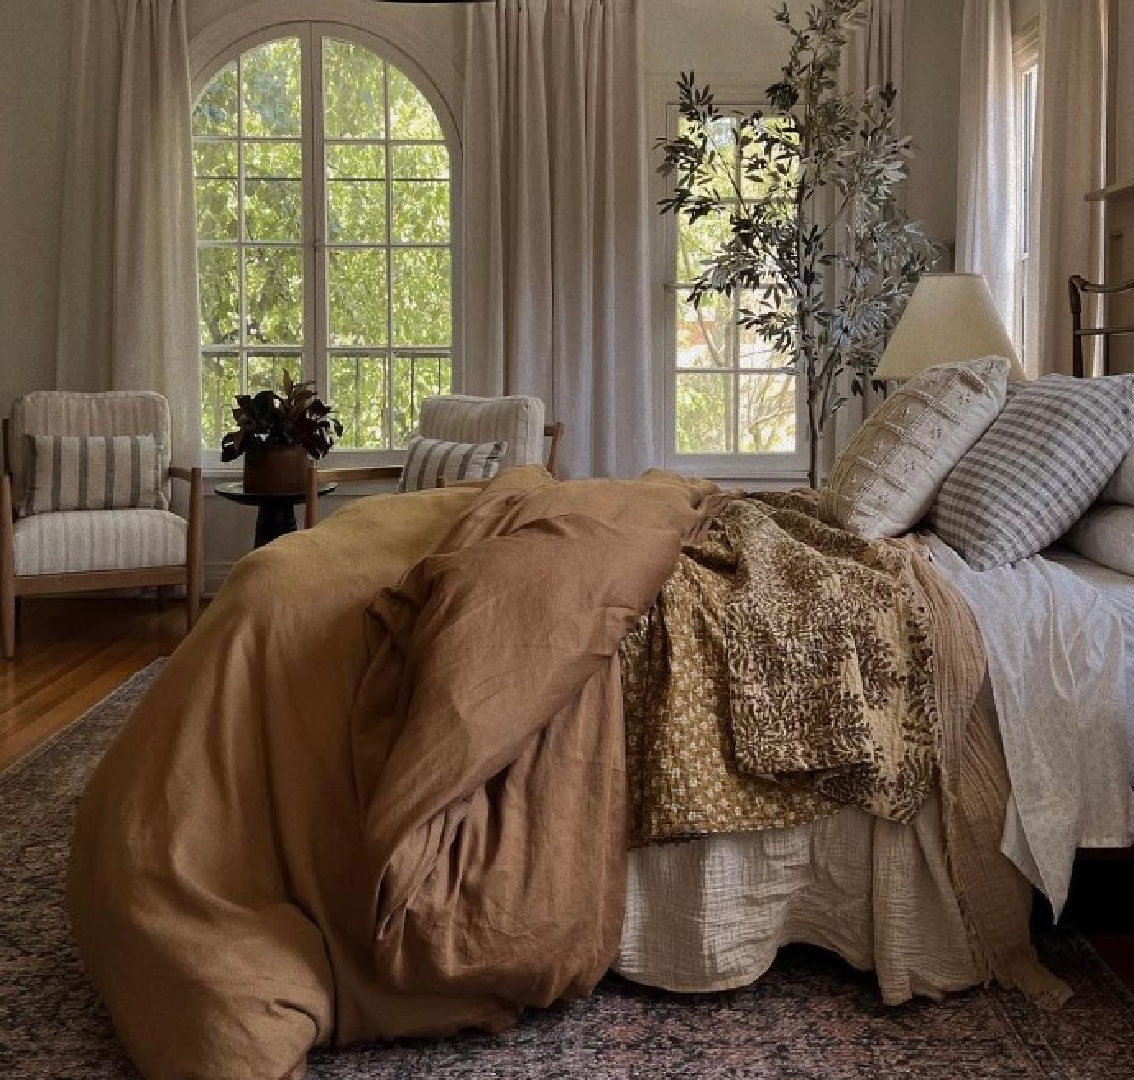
84 501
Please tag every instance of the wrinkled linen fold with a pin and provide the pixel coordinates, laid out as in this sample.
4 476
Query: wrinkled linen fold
1056 668
347 811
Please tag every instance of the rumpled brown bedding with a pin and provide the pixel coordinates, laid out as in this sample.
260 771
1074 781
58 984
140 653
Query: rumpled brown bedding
345 812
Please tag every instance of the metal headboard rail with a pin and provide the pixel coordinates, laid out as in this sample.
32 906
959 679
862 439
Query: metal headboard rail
1077 286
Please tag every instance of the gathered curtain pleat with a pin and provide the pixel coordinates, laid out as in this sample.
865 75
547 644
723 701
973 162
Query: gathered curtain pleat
557 222
1070 162
128 280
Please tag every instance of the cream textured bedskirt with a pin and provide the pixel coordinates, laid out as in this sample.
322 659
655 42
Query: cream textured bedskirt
709 914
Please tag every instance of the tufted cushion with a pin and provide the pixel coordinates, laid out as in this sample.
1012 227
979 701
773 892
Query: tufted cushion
886 479
1036 470
516 420
59 412
77 541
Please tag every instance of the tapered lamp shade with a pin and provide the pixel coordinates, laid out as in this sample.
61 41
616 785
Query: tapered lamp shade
950 318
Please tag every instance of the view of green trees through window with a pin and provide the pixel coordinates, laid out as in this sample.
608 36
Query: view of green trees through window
733 393
324 249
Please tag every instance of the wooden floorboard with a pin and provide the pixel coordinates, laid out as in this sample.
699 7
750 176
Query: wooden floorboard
72 653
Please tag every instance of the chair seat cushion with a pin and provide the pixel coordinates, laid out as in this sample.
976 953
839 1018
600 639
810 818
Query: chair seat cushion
79 541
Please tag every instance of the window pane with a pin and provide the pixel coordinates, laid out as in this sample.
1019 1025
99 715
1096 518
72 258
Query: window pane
358 392
356 211
274 210
411 115
274 158
215 113
703 412
220 383
415 379
267 372
354 102
218 285
215 159
358 290
421 161
274 283
755 350
217 218
356 162
697 241
270 84
421 304
421 212
767 414
705 336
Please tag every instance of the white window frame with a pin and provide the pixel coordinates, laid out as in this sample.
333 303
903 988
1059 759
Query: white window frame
387 37
787 468
1026 54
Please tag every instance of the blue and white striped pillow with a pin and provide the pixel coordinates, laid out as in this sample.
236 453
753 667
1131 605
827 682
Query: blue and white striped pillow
1036 470
92 472
429 460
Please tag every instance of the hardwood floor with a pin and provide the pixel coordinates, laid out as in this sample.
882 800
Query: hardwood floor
72 653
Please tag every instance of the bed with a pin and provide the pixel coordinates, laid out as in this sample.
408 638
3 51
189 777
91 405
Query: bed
259 867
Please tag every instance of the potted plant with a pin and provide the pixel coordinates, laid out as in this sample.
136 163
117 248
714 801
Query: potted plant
817 242
279 434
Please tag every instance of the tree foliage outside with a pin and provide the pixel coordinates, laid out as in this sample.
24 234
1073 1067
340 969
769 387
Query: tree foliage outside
797 213
386 265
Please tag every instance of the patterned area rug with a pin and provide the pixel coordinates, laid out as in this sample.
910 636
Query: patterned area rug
810 1018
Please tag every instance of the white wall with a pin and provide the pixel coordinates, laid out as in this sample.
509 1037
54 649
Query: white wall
1122 108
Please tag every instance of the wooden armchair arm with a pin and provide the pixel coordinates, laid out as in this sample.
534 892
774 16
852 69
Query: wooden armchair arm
195 538
346 475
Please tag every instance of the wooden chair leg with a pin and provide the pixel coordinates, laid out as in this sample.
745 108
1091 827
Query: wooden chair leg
8 618
161 597
7 570
194 550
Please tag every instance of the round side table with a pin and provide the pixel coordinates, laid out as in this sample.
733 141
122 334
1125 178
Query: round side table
276 516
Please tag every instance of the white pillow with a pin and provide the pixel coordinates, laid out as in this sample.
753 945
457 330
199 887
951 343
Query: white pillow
1120 489
1105 535
886 479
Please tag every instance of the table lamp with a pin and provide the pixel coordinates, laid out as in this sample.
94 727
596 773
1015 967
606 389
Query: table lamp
949 318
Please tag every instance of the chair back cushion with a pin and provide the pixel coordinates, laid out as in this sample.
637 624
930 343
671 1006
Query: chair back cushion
61 412
430 460
91 472
517 421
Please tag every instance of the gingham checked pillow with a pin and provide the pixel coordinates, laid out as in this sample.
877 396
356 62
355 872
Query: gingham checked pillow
1036 470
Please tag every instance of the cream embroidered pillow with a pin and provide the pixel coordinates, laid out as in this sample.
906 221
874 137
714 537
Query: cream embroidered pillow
886 479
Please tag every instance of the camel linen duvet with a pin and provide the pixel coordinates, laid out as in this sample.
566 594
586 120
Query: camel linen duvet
382 787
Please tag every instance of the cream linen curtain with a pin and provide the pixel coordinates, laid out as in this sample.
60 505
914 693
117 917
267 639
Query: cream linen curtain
128 286
1070 161
874 56
556 222
987 169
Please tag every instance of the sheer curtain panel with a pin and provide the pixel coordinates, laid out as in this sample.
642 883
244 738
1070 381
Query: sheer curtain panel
128 287
556 222
988 211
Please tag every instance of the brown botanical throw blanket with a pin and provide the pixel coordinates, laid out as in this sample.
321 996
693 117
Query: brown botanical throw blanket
785 669
347 811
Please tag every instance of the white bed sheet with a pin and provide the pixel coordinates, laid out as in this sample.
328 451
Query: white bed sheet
1054 644
1118 588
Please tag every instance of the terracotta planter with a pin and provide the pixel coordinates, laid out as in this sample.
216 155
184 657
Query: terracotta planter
277 470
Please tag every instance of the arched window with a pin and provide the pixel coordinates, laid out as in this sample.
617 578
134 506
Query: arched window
325 232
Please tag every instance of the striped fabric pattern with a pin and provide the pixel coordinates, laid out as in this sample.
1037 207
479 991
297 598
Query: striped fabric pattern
516 420
429 460
1036 470
68 412
98 472
79 541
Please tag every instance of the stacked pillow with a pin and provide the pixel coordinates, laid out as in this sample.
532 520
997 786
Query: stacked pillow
1037 469
1105 534
886 479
